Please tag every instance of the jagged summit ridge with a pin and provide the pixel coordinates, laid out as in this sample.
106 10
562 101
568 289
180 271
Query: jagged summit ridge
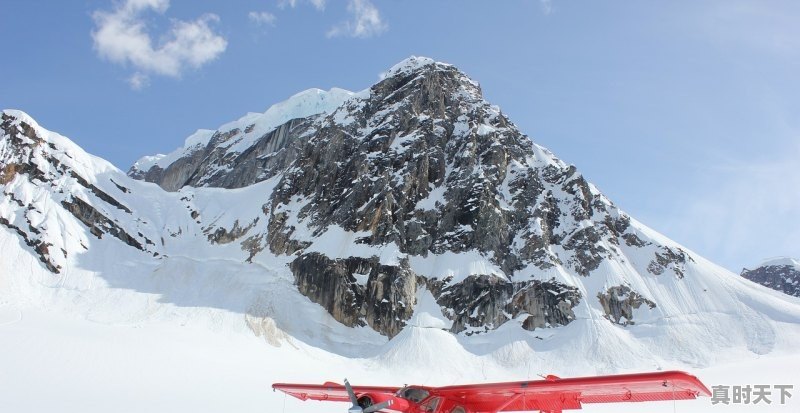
304 104
233 138
411 64
206 152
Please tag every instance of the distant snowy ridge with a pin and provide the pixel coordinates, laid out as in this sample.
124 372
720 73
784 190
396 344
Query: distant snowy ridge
781 261
254 125
779 273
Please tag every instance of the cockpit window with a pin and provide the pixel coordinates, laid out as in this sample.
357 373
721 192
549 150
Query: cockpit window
431 404
413 394
458 409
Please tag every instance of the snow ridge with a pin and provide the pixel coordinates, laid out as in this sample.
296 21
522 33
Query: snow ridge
781 261
255 125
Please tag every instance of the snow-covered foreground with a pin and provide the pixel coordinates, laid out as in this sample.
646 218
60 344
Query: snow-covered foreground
183 335
51 362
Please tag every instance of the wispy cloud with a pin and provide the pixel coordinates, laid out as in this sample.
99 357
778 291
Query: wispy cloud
121 36
262 17
547 6
761 26
139 81
365 21
748 211
318 4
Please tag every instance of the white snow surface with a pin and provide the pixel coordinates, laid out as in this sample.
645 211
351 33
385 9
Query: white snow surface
410 64
198 329
781 261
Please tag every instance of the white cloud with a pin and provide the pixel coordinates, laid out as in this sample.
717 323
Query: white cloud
121 36
139 81
318 4
547 6
365 21
262 17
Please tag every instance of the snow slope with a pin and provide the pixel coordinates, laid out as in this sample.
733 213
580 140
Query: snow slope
70 364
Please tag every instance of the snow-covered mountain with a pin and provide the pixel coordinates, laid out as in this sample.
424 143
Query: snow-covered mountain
409 226
781 274
418 181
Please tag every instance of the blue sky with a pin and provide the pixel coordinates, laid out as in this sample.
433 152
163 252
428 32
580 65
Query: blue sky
684 113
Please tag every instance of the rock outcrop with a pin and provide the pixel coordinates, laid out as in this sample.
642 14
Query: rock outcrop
619 302
781 274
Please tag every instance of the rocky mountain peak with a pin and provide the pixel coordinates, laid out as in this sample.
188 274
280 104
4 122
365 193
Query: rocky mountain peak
781 274
418 181
412 64
255 137
430 73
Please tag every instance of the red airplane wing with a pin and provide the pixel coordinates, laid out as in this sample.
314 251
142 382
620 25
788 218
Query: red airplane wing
555 394
332 392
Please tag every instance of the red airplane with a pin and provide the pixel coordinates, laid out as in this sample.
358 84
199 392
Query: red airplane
551 395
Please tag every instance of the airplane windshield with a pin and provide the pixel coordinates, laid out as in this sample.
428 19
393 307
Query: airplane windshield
413 394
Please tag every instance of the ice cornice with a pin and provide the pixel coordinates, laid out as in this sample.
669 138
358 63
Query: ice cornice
781 261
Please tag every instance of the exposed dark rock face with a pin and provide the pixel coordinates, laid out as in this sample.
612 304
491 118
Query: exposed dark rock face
219 235
669 258
210 165
41 247
384 302
359 291
620 301
780 276
632 240
481 303
99 193
98 223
